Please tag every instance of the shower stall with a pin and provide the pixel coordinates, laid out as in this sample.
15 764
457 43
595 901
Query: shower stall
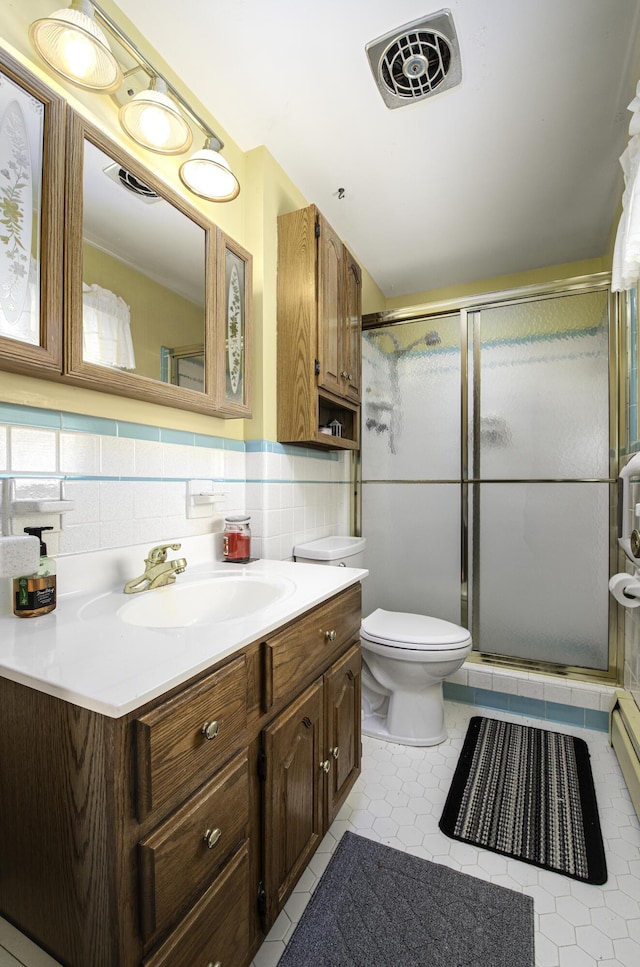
488 472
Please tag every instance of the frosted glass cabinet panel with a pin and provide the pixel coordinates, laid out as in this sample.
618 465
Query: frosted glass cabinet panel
541 591
413 548
411 401
544 389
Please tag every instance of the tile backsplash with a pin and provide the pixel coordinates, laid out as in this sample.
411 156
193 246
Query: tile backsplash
129 482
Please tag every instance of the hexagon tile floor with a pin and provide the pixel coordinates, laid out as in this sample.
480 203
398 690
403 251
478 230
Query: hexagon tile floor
398 800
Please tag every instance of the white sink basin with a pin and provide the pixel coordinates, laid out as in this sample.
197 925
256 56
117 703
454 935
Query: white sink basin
222 596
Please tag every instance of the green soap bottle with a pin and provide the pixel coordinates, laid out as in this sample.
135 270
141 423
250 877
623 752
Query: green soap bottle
35 594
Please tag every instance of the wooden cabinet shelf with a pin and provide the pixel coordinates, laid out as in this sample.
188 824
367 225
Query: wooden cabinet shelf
319 332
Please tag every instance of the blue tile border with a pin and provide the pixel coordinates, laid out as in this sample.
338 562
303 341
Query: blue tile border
31 416
88 424
538 708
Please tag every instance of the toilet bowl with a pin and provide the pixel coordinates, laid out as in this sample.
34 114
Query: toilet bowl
405 659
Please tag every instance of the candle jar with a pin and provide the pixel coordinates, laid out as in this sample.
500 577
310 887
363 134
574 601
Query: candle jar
236 539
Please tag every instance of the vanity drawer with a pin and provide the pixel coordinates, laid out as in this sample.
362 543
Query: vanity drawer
309 645
215 931
176 861
173 751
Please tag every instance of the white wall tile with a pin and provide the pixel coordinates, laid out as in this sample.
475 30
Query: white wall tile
201 462
34 451
4 458
79 453
117 456
116 533
116 503
78 539
478 677
148 499
176 460
557 693
148 458
86 497
530 688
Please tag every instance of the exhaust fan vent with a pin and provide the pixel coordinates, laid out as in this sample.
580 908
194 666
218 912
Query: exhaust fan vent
119 174
416 61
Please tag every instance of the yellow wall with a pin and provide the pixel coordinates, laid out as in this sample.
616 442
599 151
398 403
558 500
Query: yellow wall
159 316
266 192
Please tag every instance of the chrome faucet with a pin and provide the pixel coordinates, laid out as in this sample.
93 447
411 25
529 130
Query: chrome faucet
158 570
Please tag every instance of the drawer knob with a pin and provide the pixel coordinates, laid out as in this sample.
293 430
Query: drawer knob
335 752
212 836
331 635
210 729
326 765
218 963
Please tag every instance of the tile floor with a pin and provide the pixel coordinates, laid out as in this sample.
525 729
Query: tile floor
398 801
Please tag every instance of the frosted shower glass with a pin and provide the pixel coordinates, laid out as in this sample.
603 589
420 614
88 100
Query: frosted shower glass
413 548
411 401
544 555
544 389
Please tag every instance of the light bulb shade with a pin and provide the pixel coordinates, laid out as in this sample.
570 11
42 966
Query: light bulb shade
76 48
153 120
207 174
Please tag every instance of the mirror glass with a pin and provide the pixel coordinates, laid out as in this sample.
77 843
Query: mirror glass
143 275
21 152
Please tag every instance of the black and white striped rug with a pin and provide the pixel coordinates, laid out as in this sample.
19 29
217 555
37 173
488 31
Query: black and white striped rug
527 793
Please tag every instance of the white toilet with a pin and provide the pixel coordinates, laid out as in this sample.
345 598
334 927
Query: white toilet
405 658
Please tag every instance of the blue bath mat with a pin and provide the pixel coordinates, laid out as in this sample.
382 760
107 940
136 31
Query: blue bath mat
527 793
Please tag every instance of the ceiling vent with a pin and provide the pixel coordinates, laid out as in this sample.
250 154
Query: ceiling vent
416 61
120 175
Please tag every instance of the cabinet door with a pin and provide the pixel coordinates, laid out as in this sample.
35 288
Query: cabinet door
293 827
342 697
352 334
330 307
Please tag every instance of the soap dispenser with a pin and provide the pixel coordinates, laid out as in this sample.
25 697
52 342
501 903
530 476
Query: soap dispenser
35 594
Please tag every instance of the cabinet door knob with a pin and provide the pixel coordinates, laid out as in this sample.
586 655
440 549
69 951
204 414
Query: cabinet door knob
326 765
335 752
212 836
218 963
331 635
210 729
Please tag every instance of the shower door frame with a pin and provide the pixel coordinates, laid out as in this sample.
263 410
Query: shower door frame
464 308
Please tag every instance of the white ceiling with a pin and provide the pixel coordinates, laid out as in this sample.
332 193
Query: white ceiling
516 168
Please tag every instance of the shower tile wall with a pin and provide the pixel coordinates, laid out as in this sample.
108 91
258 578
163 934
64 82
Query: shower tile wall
128 482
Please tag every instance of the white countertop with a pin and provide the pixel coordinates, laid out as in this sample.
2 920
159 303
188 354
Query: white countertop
84 653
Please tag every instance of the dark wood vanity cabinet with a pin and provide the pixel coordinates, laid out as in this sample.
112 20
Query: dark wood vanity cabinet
172 836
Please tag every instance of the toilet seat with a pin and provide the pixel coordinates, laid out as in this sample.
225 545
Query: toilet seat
413 632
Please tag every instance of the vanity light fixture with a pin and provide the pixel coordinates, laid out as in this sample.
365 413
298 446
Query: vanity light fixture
153 120
207 174
73 42
74 46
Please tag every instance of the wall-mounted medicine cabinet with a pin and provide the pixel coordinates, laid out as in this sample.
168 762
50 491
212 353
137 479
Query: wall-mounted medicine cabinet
32 126
150 300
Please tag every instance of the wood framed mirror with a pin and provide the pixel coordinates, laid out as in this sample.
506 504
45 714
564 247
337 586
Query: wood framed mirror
32 126
140 279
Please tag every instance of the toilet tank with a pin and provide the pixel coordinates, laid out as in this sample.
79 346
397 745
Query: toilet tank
336 551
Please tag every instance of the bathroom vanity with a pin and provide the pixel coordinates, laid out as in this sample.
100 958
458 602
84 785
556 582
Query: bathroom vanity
173 832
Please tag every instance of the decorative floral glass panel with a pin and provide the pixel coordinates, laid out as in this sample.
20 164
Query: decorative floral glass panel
21 158
235 324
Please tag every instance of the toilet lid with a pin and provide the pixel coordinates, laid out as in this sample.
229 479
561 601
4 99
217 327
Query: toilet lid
400 629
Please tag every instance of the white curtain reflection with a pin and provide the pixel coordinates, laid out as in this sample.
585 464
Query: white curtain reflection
106 329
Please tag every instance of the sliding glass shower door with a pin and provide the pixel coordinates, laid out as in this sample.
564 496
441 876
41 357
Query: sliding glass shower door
486 480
